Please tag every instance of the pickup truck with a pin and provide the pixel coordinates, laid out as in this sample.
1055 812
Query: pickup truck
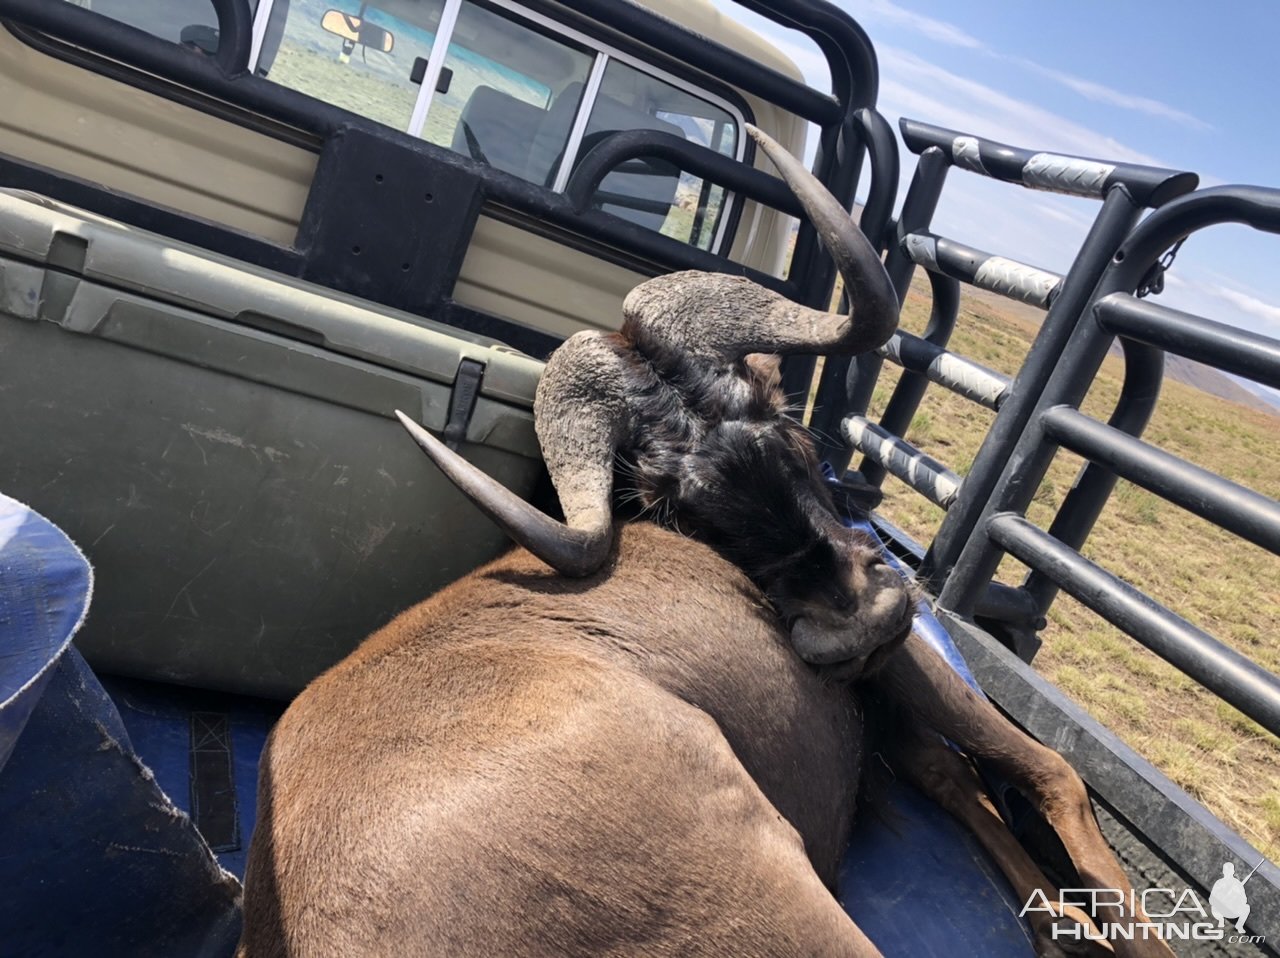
235 235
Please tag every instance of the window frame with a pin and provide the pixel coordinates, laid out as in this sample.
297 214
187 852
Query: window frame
604 54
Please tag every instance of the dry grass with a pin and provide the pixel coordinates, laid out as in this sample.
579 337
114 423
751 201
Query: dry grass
1220 583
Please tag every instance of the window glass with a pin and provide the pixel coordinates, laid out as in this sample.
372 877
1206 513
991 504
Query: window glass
192 23
508 93
357 56
655 193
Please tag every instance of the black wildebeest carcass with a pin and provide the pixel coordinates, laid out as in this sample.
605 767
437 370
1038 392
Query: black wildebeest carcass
634 739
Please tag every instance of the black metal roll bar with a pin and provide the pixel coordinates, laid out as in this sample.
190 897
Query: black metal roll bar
1037 413
846 387
1227 504
1228 348
1117 215
964 377
924 360
996 274
730 65
1039 170
877 214
1219 668
1125 189
614 150
882 149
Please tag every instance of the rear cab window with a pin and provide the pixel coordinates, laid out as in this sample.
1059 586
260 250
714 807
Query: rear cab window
191 23
630 99
506 87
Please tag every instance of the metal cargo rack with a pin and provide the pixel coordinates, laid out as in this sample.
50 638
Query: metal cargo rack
1098 300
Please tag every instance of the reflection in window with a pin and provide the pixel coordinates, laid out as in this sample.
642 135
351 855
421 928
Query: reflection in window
354 55
193 23
508 93
655 193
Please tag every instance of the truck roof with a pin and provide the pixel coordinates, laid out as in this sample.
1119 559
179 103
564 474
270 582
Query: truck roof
702 16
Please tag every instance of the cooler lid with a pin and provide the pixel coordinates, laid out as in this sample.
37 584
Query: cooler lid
42 231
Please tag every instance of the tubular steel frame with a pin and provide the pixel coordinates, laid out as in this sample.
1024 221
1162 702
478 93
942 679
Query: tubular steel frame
1113 450
1037 413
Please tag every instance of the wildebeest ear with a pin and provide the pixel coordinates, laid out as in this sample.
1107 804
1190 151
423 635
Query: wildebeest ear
720 317
766 366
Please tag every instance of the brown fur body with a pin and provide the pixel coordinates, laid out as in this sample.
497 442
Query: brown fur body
632 763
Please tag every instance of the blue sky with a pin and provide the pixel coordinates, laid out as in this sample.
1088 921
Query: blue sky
1175 84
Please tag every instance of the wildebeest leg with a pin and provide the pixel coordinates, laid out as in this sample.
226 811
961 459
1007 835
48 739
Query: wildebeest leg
947 777
779 908
918 679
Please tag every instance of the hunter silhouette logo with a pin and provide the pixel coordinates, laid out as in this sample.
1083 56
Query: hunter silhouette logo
1171 916
1227 899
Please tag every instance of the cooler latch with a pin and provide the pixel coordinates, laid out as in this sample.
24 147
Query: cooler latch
462 403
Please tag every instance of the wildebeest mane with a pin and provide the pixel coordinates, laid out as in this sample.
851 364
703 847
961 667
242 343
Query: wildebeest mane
715 456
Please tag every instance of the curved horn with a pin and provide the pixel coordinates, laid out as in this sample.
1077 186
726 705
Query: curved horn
727 317
570 551
873 301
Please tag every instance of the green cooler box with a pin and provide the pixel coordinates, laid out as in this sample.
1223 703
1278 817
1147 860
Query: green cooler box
220 440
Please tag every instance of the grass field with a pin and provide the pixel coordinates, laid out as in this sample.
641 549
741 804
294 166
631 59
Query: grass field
1224 585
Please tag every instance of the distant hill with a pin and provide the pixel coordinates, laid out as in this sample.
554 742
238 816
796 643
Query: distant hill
1211 381
1208 379
1271 396
1196 375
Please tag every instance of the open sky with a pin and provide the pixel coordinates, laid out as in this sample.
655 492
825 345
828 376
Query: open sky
1174 84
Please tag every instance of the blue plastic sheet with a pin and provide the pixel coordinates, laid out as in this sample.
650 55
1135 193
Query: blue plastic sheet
914 879
918 884
926 625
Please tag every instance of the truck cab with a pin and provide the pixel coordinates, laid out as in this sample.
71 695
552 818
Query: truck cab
513 89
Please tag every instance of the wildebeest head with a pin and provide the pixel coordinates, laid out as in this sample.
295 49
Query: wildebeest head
684 408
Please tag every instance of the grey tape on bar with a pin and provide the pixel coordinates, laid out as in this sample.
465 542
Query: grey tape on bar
965 154
957 373
1066 174
1016 280
923 250
970 379
902 460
